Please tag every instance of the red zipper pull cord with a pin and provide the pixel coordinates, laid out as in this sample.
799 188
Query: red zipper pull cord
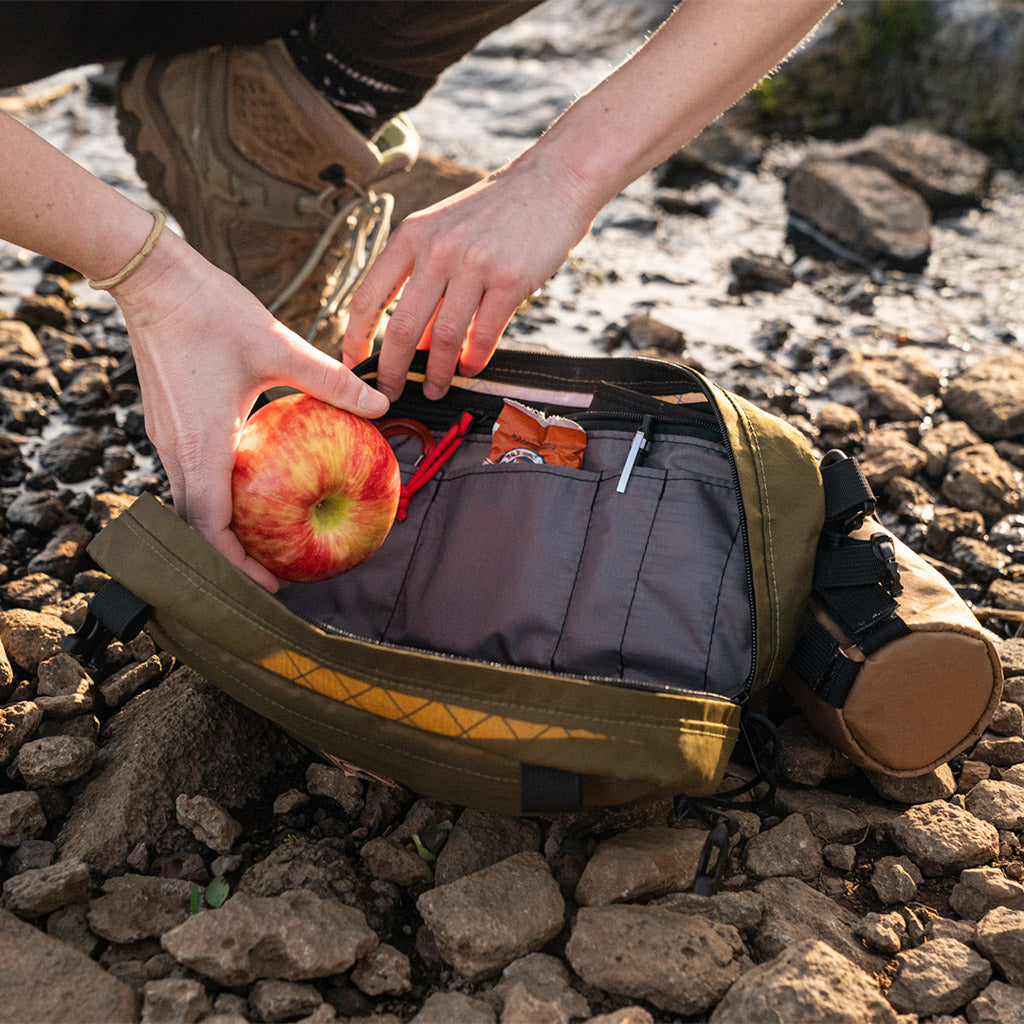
433 460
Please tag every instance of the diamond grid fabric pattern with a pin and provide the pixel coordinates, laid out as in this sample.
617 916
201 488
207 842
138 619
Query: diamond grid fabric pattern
441 717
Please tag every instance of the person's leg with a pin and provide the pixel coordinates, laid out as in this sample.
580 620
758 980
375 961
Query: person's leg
252 154
41 39
375 60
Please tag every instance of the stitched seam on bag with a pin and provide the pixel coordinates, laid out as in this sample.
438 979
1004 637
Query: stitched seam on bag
769 559
408 565
441 696
718 604
401 750
636 582
576 577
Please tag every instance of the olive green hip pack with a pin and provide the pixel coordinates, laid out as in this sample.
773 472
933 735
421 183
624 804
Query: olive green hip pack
530 637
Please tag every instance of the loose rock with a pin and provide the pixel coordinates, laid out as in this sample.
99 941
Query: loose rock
137 907
207 821
806 984
641 862
789 849
181 1000
293 936
21 817
47 980
1000 937
942 839
679 963
34 893
484 921
979 890
939 977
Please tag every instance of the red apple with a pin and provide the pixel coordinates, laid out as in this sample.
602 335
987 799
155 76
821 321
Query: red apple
315 488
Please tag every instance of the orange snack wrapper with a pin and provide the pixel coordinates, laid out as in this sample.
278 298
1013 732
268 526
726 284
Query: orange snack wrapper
521 434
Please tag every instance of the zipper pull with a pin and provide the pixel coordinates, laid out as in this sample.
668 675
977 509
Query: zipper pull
637 451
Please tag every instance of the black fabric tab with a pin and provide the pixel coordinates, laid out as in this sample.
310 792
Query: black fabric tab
848 495
549 789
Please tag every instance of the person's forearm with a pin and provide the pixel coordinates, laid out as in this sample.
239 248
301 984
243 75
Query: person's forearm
52 206
705 56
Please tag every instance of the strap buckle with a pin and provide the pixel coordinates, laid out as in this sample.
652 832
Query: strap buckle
884 550
114 611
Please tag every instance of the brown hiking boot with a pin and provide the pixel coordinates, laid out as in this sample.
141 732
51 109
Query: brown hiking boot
266 178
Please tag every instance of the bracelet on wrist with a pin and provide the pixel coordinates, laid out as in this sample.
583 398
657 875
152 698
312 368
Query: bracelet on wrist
137 260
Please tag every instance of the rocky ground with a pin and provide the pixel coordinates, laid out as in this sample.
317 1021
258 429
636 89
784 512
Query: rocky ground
169 856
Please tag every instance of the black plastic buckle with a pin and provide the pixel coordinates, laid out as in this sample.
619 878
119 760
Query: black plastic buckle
113 612
717 844
885 551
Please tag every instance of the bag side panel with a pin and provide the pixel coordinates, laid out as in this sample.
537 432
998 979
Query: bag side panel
784 506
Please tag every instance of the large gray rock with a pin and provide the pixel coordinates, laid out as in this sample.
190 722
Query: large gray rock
806 984
863 209
49 982
942 838
293 936
680 963
203 742
947 173
484 921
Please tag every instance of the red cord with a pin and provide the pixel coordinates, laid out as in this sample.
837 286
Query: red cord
433 460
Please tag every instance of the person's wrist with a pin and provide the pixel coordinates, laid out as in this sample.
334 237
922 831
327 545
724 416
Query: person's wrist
170 270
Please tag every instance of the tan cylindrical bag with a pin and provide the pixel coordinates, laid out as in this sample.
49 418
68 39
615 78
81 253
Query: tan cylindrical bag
898 675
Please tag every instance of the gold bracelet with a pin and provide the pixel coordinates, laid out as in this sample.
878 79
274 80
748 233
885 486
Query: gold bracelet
136 261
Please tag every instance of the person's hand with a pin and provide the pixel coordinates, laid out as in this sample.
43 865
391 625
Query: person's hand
205 349
463 268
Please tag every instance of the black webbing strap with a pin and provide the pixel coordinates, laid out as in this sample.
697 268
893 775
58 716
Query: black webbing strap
856 582
848 495
820 662
549 789
113 612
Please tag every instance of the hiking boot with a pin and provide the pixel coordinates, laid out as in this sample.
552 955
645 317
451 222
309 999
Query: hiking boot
266 178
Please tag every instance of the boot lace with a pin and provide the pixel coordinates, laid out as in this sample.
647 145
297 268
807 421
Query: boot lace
367 218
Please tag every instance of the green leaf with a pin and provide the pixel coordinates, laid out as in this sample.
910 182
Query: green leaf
217 892
193 898
422 850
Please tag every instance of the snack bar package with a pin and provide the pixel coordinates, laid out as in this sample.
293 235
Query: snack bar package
521 434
